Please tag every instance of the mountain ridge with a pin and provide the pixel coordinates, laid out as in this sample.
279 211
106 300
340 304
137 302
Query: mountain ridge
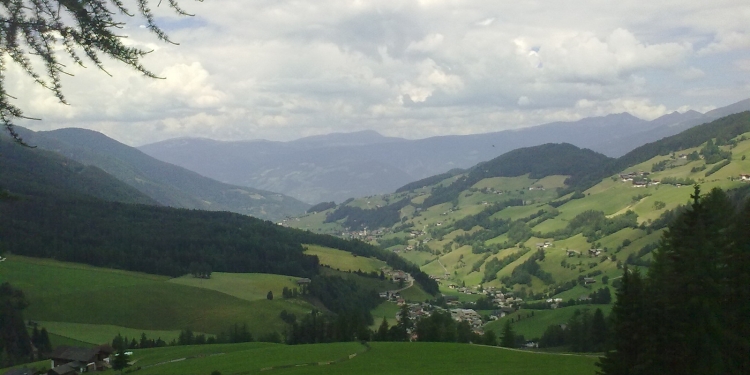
299 168
168 184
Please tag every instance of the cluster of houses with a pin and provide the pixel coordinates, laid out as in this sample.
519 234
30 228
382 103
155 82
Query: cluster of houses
424 310
543 245
470 316
71 360
591 252
506 302
639 179
633 176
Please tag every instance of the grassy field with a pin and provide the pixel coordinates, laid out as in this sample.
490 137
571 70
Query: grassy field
96 334
362 281
354 358
64 292
387 310
415 294
344 261
247 286
253 358
532 327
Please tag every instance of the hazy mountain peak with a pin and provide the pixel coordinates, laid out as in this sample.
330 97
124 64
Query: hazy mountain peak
362 137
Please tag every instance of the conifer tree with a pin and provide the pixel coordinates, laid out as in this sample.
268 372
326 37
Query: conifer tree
598 331
382 334
509 337
690 315
628 356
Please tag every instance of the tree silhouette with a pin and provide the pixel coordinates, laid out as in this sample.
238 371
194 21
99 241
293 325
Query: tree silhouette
509 337
120 361
32 31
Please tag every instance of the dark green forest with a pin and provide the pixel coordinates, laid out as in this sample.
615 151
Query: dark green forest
165 241
688 314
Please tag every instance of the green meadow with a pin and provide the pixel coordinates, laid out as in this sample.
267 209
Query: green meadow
344 261
533 327
69 293
252 358
246 286
355 358
97 334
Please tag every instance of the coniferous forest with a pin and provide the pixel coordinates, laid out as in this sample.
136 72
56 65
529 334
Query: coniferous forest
166 241
688 314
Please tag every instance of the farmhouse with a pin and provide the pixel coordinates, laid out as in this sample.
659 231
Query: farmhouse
589 280
745 177
73 359
595 252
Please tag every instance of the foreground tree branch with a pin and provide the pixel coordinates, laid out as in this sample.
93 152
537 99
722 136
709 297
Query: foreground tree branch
84 29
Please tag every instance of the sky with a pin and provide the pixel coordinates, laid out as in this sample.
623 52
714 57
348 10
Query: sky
281 70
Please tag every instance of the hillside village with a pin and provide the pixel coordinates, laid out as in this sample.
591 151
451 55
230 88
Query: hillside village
459 256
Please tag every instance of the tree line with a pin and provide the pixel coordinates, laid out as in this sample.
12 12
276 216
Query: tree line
688 314
169 241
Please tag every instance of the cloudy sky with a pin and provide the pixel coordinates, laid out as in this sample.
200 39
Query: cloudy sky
280 70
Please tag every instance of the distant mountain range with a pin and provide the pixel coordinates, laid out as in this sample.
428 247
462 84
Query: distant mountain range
163 183
338 166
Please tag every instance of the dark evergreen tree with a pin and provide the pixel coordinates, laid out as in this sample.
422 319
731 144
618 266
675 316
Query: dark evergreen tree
598 331
118 343
489 338
509 337
120 361
464 333
15 343
630 352
685 286
690 315
382 333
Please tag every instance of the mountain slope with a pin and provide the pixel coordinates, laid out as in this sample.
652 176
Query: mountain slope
165 183
335 167
550 221
40 173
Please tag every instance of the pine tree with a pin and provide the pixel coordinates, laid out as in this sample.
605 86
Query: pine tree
598 331
686 287
736 309
690 315
509 337
15 342
628 356
489 338
120 361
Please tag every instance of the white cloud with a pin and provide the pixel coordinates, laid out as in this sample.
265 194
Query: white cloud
283 69
692 73
727 41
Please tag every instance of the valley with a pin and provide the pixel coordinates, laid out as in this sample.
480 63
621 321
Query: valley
524 251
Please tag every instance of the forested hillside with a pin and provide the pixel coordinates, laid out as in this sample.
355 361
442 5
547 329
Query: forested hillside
167 184
35 172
